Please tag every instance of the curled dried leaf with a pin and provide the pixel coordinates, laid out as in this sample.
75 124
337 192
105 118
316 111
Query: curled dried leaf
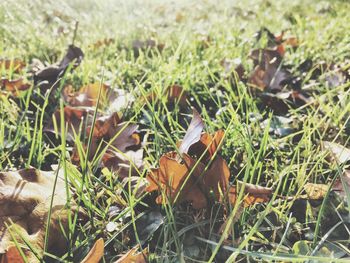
73 57
193 133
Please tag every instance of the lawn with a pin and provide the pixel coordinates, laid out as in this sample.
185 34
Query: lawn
174 131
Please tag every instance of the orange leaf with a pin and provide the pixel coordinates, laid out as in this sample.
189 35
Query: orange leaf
207 145
253 194
177 179
96 253
133 257
12 255
217 177
14 86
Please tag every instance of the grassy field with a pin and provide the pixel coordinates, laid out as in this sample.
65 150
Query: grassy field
197 45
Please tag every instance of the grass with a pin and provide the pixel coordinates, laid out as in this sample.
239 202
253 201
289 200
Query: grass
254 152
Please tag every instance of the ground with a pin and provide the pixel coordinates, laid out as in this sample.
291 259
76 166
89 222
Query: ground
286 139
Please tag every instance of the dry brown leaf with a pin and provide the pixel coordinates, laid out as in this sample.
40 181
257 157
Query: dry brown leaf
14 86
316 191
216 179
171 177
25 200
253 194
86 96
132 256
73 57
12 255
187 178
102 43
339 184
108 130
96 253
193 133
75 119
124 164
208 145
15 64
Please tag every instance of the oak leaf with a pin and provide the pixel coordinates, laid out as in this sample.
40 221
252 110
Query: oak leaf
25 200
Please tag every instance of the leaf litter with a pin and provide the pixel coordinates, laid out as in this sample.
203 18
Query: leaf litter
194 177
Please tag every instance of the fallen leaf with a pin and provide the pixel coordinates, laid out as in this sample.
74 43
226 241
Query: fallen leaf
339 153
86 96
139 45
171 177
14 64
193 133
189 178
268 73
76 120
253 194
12 255
103 43
73 57
342 183
96 253
216 178
316 191
14 86
111 134
132 256
29 207
207 146
124 164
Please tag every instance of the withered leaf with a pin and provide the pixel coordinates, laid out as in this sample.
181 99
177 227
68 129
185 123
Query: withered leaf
14 86
253 194
316 191
339 153
109 131
139 45
193 133
342 183
75 119
177 179
51 73
130 162
96 253
132 256
15 64
12 255
86 96
25 200
207 146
